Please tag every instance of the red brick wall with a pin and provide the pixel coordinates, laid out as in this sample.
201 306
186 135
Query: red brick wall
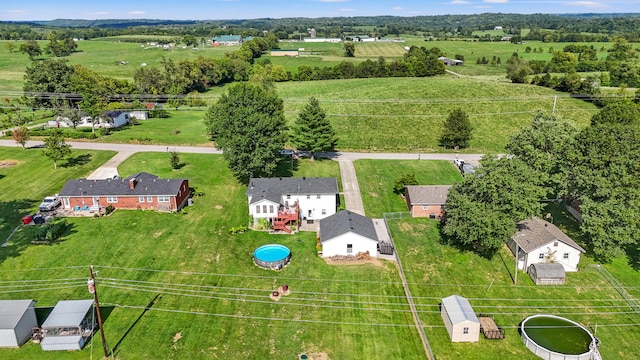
418 211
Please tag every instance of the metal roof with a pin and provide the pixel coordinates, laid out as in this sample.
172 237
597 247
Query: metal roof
68 313
459 309
549 270
145 184
535 232
427 194
346 221
11 311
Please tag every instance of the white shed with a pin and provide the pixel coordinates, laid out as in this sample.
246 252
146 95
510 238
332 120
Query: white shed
17 318
69 325
348 233
460 319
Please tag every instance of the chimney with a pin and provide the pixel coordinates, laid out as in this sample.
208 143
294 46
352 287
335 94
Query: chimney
132 183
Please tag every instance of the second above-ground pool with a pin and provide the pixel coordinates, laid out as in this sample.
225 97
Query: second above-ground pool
272 256
555 337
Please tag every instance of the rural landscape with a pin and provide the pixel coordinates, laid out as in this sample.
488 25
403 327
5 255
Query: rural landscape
145 163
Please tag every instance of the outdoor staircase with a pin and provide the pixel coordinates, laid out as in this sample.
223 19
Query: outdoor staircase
285 218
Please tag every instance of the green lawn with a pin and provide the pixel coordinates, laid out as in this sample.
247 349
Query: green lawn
183 127
435 271
376 179
23 186
213 301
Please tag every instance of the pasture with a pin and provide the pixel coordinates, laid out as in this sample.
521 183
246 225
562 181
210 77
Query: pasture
209 300
435 271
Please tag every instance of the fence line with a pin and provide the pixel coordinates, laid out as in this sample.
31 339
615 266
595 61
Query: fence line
405 285
631 301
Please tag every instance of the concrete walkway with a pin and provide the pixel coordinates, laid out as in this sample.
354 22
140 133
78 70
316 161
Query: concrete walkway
350 187
109 170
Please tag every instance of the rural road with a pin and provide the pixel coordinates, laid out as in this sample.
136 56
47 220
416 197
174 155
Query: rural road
350 187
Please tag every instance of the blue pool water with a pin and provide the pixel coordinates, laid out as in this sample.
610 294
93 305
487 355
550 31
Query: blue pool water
272 256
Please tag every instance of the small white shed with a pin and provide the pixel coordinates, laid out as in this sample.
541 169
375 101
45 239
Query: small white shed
348 233
69 325
17 318
460 319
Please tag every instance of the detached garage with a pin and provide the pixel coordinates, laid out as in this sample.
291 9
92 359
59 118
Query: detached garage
348 233
17 318
460 319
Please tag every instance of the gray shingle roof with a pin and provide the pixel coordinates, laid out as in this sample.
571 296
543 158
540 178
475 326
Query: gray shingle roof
535 232
346 221
274 188
549 270
146 184
11 311
459 309
68 313
427 194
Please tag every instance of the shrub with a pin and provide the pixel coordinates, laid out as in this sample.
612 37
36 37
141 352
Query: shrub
239 229
104 131
109 209
402 181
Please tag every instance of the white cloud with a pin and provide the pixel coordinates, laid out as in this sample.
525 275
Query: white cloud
483 7
137 12
396 8
16 12
460 2
589 4
496 1
334 1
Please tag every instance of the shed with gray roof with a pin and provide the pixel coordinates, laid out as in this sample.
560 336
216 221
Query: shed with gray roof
348 233
547 273
17 318
460 319
69 325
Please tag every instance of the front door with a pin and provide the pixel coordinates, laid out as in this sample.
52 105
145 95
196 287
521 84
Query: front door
65 202
96 201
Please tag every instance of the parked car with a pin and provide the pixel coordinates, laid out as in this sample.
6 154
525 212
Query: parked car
49 203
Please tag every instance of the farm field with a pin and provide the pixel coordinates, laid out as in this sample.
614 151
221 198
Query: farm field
27 176
376 179
205 297
435 271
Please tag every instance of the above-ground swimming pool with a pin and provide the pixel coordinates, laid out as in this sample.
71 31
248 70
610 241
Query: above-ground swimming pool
272 256
554 337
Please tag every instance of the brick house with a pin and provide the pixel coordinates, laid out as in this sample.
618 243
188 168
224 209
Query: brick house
139 191
426 200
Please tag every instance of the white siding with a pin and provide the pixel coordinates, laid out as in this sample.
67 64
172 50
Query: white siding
338 245
312 207
570 264
262 214
8 339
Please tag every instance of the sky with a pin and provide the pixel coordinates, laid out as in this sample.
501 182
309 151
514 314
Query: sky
15 10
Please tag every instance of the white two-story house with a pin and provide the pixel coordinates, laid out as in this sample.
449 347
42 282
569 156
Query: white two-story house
284 200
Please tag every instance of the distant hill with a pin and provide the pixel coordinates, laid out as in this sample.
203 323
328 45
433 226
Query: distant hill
112 23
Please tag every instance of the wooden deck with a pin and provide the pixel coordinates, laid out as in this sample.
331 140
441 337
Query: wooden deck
490 329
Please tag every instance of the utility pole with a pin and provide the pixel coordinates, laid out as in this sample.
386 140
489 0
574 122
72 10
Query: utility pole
555 100
92 289
515 280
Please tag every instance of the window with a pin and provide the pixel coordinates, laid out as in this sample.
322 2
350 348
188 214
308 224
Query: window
441 207
140 198
425 207
308 197
270 209
465 330
541 256
164 199
565 255
257 209
318 197
324 211
288 197
112 199
349 248
264 209
149 198
555 243
432 216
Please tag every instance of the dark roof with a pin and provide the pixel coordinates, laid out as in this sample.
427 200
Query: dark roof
346 221
535 232
549 270
273 188
145 184
459 309
427 195
11 311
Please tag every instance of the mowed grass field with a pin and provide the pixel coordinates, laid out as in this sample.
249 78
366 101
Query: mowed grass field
209 299
377 177
435 271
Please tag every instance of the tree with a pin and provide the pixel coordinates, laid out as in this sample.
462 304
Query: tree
44 79
10 46
60 44
312 131
190 40
21 135
457 130
403 181
248 124
55 148
349 49
482 210
518 70
31 48
619 112
174 159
